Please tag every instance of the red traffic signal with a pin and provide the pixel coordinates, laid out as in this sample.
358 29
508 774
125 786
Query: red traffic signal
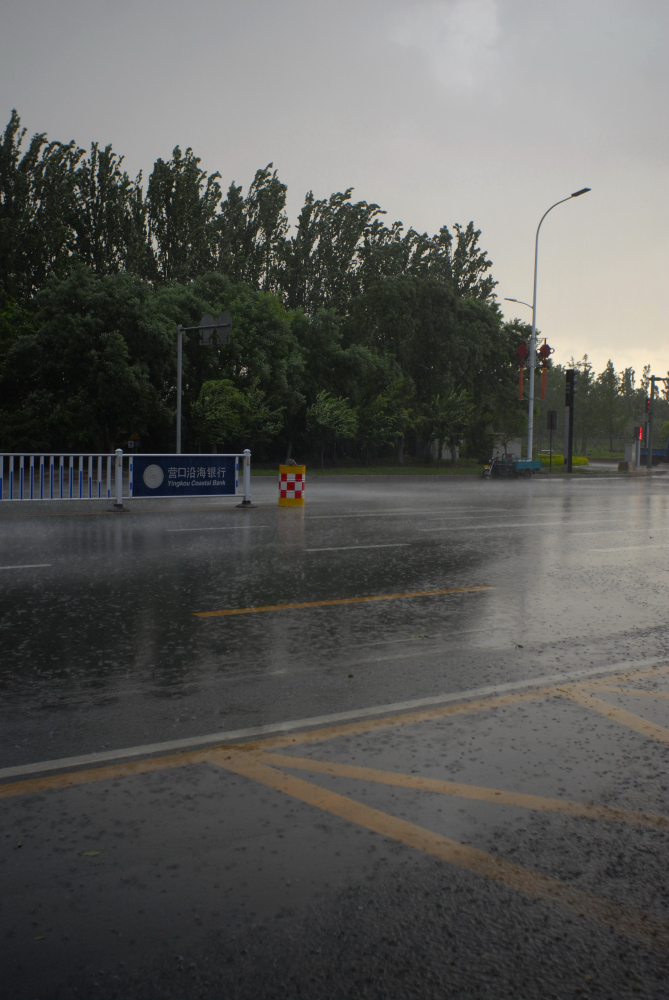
638 433
647 404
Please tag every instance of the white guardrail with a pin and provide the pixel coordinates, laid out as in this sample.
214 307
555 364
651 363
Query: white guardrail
107 476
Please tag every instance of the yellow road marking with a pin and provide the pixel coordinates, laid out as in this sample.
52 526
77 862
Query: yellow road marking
621 715
106 773
635 692
498 796
405 719
602 911
338 600
622 678
111 771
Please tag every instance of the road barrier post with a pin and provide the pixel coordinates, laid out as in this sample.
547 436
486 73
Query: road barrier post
246 502
119 479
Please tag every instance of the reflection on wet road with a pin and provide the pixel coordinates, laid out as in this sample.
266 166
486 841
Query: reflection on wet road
474 675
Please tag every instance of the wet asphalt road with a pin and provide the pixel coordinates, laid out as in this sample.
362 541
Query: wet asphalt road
241 876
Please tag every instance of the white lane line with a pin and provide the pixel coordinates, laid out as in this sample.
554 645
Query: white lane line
227 527
611 531
27 566
416 638
432 651
632 548
398 513
323 720
523 524
342 548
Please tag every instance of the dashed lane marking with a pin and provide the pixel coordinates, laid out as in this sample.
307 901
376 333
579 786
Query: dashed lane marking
27 566
345 548
227 527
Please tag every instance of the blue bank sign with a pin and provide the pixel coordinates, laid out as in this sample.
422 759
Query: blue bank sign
184 475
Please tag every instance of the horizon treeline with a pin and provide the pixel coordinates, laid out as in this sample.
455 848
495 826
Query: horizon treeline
350 334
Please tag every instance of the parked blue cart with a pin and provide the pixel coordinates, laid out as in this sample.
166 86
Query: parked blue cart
511 465
660 454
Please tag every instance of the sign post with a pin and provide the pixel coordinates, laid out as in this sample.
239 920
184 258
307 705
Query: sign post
209 325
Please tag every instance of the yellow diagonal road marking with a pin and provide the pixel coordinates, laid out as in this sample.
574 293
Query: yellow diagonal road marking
475 792
634 692
338 600
624 678
602 911
621 715
106 773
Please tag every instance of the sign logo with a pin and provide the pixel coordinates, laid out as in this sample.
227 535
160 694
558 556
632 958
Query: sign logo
153 477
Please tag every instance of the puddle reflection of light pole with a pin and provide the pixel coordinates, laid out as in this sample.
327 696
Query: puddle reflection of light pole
533 341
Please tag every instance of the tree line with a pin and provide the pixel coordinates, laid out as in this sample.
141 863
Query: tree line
350 334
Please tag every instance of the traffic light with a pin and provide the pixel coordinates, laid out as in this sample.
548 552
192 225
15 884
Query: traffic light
638 433
647 404
570 388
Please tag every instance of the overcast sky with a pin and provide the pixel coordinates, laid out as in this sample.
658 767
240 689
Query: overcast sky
441 112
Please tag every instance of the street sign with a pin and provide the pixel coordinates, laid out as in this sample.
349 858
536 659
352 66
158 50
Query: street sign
184 475
219 326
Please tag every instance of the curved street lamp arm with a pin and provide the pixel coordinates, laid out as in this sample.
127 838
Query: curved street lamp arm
536 258
533 340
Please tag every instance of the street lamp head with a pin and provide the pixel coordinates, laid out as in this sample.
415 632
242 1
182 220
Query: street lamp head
576 194
519 301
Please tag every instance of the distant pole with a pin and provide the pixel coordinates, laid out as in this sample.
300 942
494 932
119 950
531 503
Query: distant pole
649 442
533 340
570 375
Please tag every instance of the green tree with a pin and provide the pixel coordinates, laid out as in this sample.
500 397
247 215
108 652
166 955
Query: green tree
608 405
236 418
182 218
329 419
94 369
445 418
36 206
108 216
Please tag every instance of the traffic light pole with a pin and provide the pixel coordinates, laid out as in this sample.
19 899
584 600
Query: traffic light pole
649 435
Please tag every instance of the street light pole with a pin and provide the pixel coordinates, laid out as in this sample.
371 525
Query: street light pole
533 339
180 337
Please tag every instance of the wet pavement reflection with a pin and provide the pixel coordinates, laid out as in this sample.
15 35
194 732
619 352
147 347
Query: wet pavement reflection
232 870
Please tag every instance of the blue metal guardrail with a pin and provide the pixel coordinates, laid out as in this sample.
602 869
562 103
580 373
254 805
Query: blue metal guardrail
107 476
